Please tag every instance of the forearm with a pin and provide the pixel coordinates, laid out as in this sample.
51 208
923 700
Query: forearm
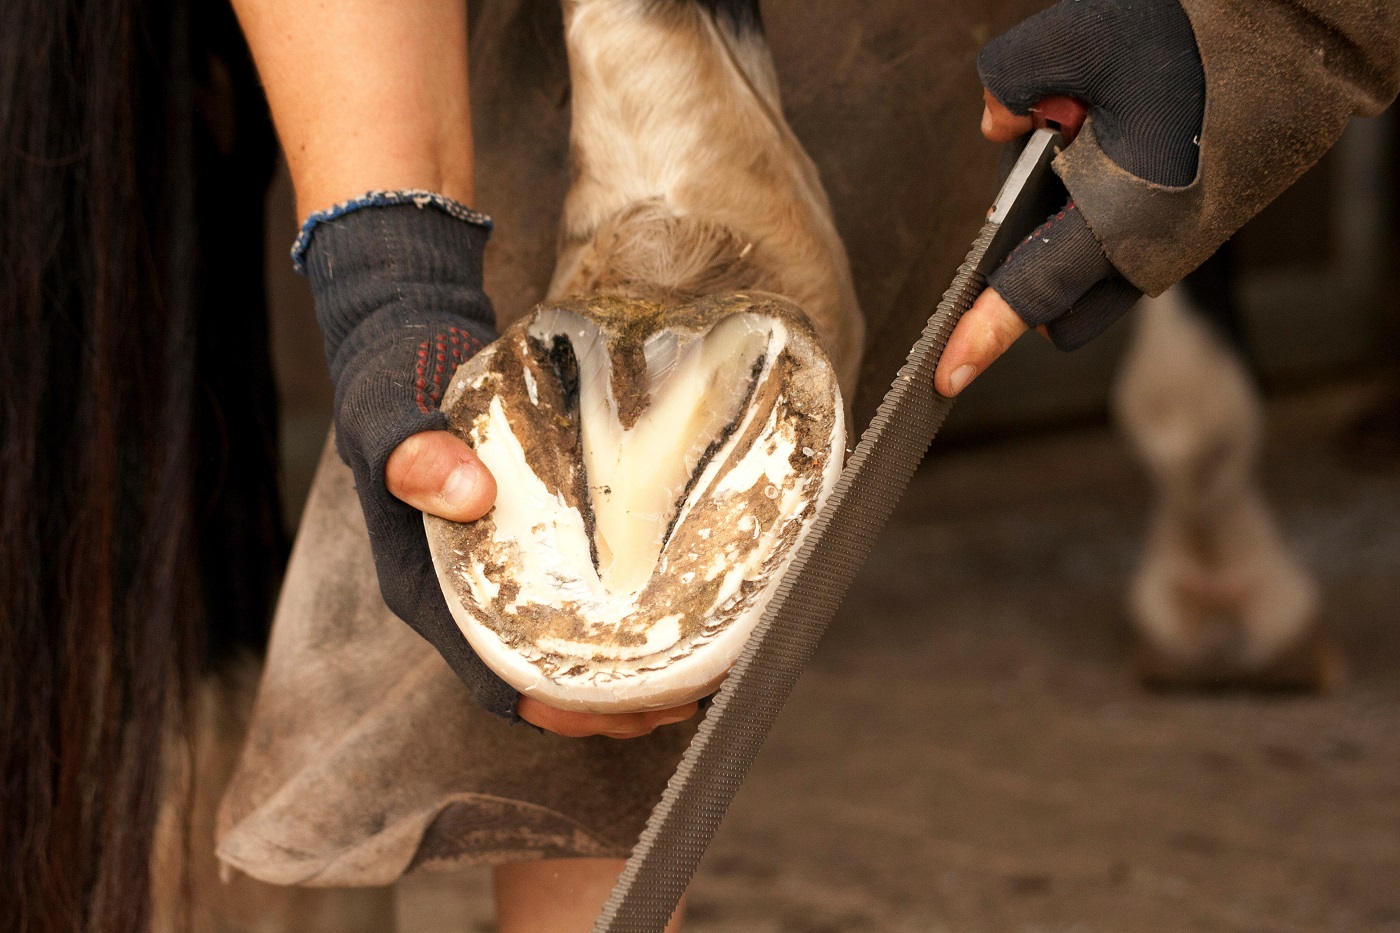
366 94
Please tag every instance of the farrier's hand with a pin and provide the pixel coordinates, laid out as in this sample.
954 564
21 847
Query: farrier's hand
397 282
1135 66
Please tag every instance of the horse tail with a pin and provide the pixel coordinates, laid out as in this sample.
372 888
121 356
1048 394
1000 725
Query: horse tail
101 440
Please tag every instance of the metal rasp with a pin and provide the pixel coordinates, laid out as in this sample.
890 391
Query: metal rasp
870 485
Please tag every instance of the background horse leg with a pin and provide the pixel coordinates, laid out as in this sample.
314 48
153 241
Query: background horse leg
1218 598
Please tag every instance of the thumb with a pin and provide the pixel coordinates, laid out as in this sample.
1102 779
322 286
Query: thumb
438 473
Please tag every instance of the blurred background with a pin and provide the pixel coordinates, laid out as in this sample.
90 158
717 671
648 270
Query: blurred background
972 750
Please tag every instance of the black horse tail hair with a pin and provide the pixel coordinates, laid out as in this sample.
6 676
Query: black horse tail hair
102 441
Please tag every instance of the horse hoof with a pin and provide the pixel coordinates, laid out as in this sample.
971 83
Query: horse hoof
657 470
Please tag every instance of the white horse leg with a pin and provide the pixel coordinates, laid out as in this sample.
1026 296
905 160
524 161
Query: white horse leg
1219 597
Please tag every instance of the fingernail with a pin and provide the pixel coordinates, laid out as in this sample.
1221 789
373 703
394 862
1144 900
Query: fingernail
462 485
961 377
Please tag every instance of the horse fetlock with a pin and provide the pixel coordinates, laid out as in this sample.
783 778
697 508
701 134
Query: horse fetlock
687 180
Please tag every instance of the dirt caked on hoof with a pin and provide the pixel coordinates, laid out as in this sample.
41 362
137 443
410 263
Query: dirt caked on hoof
657 469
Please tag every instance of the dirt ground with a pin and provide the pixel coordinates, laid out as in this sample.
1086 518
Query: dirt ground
969 752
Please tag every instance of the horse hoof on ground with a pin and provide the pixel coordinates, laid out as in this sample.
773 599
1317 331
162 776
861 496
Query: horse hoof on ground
1219 599
1223 602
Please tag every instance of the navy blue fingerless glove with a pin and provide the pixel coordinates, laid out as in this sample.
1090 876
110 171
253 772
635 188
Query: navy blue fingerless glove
1136 66
397 281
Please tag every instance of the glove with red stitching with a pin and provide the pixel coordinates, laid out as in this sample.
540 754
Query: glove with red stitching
1135 65
397 281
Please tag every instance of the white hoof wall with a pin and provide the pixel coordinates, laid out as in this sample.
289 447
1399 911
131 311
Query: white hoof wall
656 471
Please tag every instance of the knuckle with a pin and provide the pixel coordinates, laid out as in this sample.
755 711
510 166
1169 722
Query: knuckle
1006 328
415 464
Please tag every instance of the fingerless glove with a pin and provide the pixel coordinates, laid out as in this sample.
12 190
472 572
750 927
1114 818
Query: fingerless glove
397 280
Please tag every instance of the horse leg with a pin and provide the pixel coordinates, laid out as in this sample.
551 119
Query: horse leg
686 179
1218 598
686 182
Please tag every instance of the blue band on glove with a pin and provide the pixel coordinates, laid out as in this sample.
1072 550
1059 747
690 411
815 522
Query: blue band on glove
415 196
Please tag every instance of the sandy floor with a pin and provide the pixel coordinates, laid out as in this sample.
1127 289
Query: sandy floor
970 753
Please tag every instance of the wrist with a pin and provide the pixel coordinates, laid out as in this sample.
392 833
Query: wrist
327 188
395 266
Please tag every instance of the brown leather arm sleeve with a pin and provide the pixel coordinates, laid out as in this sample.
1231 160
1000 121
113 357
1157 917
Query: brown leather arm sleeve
1283 77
